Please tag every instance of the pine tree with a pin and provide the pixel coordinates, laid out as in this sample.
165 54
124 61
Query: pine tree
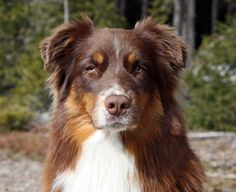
212 82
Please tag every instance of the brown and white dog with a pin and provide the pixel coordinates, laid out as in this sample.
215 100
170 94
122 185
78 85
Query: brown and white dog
116 125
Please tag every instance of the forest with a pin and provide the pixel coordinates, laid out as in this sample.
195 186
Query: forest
209 27
207 94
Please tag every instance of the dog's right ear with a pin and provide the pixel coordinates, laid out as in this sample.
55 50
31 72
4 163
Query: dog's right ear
56 51
54 48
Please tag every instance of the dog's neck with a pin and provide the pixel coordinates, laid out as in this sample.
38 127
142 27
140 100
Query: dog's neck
104 165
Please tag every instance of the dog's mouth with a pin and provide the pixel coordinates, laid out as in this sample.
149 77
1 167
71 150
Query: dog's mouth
120 123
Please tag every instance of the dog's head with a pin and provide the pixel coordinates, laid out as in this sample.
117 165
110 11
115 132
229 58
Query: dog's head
115 76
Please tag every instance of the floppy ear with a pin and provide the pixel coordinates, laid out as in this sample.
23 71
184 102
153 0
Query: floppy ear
169 52
172 47
56 52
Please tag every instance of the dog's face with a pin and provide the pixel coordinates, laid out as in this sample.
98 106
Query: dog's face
114 75
116 71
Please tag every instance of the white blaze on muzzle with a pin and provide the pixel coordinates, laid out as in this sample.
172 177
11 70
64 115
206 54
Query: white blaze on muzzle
102 118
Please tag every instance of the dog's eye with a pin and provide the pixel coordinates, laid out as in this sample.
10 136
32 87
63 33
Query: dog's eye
139 69
90 68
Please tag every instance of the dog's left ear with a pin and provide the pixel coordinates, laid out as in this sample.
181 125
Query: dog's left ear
169 52
172 47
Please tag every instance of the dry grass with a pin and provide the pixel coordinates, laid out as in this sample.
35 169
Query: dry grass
31 144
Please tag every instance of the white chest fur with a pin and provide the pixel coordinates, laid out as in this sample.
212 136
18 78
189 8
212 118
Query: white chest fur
104 166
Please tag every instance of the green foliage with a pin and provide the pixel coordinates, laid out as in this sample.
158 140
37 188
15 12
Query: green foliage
23 25
12 114
161 9
102 12
212 82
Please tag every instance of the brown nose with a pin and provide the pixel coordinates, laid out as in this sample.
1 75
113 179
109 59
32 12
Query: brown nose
117 104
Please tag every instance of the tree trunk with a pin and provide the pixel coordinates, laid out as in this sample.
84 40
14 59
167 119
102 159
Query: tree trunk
66 11
177 16
144 8
190 20
214 15
121 4
184 17
190 29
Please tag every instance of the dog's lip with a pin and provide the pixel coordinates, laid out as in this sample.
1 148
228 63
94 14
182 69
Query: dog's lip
116 119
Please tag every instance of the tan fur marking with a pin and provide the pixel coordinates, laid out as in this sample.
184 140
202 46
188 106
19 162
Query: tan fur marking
98 58
78 126
89 100
132 58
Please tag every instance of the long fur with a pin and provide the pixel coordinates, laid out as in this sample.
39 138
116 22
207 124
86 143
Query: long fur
152 147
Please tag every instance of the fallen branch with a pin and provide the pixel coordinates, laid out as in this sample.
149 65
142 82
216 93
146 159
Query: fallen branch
222 175
209 135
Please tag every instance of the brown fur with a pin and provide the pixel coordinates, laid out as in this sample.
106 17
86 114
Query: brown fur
164 161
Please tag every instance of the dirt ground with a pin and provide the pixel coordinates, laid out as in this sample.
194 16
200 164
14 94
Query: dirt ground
20 171
218 156
20 174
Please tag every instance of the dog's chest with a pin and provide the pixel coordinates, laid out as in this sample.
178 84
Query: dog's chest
103 166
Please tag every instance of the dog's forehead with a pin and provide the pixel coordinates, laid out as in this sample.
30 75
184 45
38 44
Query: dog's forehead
115 40
111 33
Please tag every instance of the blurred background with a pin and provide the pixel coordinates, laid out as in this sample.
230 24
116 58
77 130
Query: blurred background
208 26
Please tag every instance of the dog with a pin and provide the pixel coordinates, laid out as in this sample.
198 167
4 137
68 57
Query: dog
116 123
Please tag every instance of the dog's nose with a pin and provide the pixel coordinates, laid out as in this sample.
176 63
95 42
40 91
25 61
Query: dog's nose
117 104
